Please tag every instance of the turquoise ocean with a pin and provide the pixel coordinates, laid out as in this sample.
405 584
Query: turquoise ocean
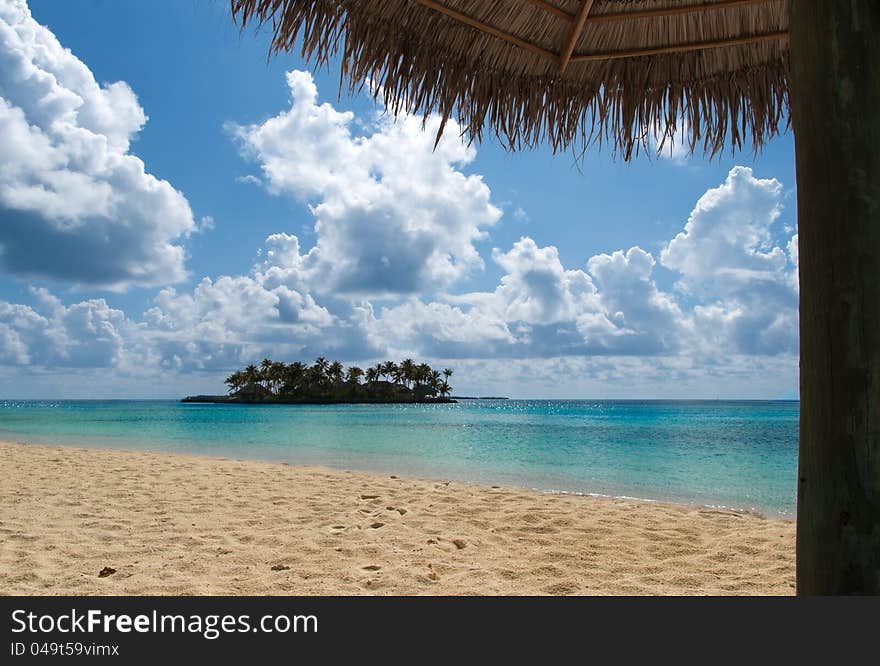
740 455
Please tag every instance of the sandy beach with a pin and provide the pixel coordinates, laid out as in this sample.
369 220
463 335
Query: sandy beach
173 524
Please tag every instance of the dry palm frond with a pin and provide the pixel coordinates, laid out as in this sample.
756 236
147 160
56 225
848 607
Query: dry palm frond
716 73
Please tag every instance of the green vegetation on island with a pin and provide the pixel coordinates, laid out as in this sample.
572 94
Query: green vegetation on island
331 382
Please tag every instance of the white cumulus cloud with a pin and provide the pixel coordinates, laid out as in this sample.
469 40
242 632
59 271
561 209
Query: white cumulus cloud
728 259
75 204
89 334
392 214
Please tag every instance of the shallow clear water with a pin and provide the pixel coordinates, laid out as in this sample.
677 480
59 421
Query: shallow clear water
733 454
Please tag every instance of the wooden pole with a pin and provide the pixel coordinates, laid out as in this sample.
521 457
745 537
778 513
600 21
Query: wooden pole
575 34
679 48
673 11
835 102
488 29
552 9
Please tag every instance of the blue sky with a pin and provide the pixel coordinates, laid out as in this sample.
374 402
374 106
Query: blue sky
173 205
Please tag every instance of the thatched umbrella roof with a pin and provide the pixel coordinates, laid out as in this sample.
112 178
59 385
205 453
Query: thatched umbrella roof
567 72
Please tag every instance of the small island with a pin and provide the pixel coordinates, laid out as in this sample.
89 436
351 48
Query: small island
324 382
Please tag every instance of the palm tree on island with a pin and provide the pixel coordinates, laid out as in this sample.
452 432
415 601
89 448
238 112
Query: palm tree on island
329 382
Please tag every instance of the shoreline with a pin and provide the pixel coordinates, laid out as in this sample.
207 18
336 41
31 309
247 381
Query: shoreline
68 510
623 494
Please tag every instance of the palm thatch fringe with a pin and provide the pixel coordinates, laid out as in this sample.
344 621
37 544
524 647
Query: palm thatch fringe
419 60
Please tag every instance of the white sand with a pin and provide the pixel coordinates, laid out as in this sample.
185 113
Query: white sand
173 524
